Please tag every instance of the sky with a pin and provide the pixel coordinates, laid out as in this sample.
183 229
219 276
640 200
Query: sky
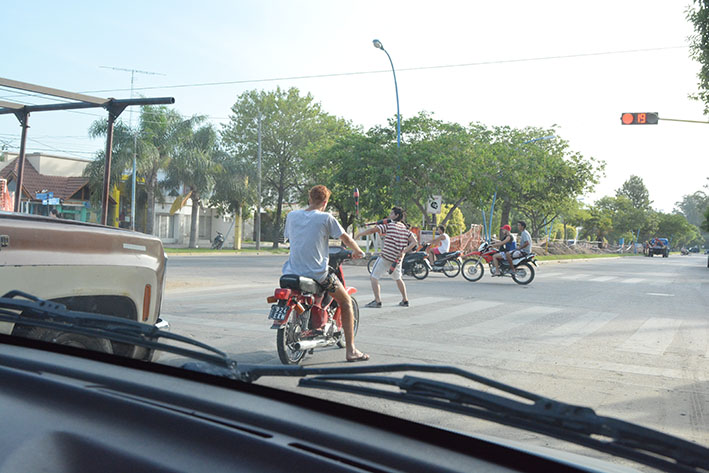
517 63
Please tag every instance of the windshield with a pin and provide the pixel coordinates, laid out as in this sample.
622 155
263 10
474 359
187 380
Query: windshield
516 190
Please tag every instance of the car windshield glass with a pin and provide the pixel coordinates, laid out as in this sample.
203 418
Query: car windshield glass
514 190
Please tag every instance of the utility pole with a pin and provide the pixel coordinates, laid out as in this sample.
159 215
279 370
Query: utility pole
258 210
135 136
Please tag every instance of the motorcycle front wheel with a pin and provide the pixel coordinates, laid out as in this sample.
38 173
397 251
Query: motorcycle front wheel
370 263
287 336
355 312
473 269
523 274
419 270
451 268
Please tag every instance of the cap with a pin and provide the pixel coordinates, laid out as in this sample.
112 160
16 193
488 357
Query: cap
506 227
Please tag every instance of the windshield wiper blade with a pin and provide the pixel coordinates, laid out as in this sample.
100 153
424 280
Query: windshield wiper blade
25 309
568 422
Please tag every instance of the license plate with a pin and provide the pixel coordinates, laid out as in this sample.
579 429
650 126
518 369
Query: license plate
278 312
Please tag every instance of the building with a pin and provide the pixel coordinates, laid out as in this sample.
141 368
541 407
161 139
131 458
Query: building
50 182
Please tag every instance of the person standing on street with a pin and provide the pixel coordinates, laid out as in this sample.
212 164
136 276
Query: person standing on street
308 231
398 241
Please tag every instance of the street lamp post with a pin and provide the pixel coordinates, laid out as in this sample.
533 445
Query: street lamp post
378 45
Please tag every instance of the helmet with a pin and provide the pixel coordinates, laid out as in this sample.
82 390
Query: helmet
506 227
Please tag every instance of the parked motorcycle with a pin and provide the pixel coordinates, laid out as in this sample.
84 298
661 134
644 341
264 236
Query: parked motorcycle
306 316
415 264
218 241
474 266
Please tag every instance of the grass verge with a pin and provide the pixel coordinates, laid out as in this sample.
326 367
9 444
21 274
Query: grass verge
583 256
226 251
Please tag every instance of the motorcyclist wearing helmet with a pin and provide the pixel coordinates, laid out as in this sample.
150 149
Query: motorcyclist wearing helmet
505 244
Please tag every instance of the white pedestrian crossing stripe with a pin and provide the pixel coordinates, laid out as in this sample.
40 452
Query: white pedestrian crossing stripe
577 328
508 321
444 313
652 337
603 278
632 280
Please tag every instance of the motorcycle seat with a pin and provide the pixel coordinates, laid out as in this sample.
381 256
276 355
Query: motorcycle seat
448 253
301 283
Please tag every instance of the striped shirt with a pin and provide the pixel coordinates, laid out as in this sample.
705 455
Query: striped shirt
397 238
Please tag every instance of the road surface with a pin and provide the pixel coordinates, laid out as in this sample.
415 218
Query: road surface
628 337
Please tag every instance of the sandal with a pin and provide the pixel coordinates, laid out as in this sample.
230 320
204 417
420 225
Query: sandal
362 357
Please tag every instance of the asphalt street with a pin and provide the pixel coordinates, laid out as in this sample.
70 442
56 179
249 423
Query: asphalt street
628 337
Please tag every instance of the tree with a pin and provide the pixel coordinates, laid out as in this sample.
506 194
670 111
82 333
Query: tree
677 229
121 156
698 15
194 166
234 190
162 131
635 190
354 160
455 223
692 206
291 124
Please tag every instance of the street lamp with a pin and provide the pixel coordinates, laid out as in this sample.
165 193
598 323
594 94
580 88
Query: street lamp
378 44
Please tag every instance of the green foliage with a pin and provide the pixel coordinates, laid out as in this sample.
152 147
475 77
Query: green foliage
292 125
634 189
456 223
698 15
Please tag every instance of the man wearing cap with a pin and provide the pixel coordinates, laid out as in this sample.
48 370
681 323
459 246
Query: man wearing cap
506 243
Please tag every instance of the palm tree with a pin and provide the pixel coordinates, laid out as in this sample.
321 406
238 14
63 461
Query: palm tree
193 166
162 132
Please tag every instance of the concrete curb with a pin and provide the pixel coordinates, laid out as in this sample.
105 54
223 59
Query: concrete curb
575 260
229 254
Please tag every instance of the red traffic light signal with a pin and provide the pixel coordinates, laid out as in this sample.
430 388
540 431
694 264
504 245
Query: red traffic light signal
644 118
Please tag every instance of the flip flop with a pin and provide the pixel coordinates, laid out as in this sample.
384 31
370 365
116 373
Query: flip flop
362 357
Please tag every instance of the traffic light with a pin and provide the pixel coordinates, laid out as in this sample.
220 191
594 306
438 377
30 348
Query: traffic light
644 118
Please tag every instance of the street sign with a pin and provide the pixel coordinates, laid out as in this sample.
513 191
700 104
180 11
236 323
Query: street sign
54 201
435 202
44 195
642 118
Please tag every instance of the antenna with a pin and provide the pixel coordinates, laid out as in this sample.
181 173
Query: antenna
133 72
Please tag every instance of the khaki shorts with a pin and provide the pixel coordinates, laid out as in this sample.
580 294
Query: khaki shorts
381 269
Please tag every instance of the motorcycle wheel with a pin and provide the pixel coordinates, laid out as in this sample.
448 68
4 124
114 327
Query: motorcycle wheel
451 268
214 245
288 335
419 270
523 274
370 263
355 312
473 269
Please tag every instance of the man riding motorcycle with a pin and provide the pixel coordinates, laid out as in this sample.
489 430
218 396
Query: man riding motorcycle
506 245
308 231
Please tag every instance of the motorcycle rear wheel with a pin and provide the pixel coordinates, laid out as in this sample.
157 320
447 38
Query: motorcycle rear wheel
451 268
473 269
523 274
290 334
419 270
355 312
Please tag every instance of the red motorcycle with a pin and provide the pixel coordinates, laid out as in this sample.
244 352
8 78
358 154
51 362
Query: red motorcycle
306 316
474 268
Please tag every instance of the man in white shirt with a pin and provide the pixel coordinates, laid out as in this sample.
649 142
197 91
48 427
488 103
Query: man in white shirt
309 231
525 242
445 244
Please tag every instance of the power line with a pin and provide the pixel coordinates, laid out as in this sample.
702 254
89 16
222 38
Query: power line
387 71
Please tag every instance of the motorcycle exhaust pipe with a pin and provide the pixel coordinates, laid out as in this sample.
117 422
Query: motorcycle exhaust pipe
310 344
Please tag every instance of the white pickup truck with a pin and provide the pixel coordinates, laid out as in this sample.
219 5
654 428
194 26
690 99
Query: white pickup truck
87 267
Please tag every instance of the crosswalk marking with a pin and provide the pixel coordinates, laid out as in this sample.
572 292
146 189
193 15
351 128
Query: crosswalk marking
442 314
632 280
576 276
652 337
577 328
603 278
508 321
550 275
219 323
